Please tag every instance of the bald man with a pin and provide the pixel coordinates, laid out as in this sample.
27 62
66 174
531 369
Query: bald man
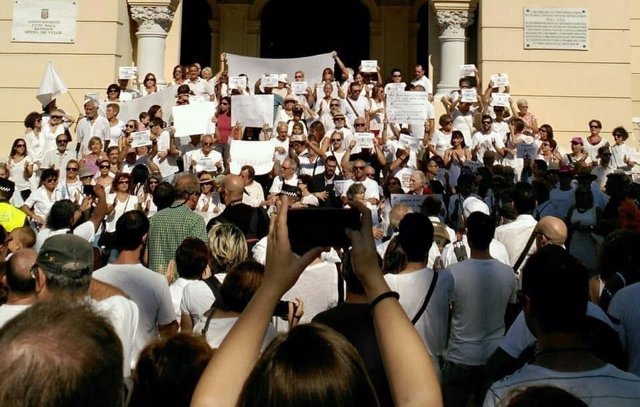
253 222
21 285
550 230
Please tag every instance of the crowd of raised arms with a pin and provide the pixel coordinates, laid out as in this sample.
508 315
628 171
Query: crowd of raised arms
492 265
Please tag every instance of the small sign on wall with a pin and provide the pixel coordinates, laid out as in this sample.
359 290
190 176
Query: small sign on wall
556 28
44 21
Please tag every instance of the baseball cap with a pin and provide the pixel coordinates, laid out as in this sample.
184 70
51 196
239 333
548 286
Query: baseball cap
7 186
66 254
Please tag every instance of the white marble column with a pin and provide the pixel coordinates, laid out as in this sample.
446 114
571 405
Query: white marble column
453 44
154 23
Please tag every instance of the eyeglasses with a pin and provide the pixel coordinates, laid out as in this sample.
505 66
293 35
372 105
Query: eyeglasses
447 123
62 141
151 79
286 168
51 180
130 126
56 117
21 145
358 167
486 122
153 181
207 144
72 169
545 144
358 124
336 140
617 135
594 126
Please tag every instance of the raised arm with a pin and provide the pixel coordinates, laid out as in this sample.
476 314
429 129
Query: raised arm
411 375
342 66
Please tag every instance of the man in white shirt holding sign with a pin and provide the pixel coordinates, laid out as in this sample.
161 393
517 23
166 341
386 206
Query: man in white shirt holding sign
486 140
165 158
205 158
421 79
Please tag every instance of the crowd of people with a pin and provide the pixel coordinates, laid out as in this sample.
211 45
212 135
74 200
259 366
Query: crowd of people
156 275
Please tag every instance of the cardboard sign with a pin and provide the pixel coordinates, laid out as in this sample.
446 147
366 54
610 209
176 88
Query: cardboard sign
269 81
500 99
500 79
299 88
467 70
370 65
469 95
127 72
237 82
141 138
364 140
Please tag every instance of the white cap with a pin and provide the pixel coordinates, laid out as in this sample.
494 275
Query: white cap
473 204
282 77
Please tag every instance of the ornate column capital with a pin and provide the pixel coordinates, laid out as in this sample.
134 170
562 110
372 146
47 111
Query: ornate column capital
454 22
149 18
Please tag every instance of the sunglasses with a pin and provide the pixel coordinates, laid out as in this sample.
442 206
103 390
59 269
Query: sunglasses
334 105
207 183
51 180
486 122
130 126
124 181
447 123
21 145
207 144
594 127
112 91
336 140
105 166
62 141
358 124
72 169
358 167
56 117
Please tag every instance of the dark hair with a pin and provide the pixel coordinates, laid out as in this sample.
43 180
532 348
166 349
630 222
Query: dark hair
168 371
250 170
438 160
549 131
561 305
139 174
621 131
117 178
130 229
30 120
164 195
541 191
431 206
458 134
60 338
19 282
416 236
192 258
305 179
310 366
239 285
518 124
156 121
61 214
524 198
114 86
480 229
48 173
111 148
228 100
543 396
596 121
443 119
153 110
14 149
395 259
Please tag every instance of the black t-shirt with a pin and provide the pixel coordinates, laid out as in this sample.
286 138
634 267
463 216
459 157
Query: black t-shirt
354 322
240 214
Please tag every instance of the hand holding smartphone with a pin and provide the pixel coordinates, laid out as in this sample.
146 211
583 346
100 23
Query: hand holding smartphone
320 227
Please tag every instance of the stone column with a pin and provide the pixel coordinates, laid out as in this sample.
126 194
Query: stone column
453 43
154 23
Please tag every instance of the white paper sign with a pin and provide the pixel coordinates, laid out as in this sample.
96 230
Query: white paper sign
469 95
409 142
411 200
526 150
194 118
252 110
500 99
206 164
269 81
467 70
127 72
405 107
395 87
369 66
237 82
364 140
258 154
299 88
44 20
500 79
339 186
141 138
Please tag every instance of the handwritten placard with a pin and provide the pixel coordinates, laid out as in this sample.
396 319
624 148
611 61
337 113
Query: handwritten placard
468 95
141 138
500 99
339 186
252 110
269 81
524 150
395 87
299 88
237 82
127 72
403 107
364 140
369 65
409 142
194 118
411 200
258 154
499 79
467 70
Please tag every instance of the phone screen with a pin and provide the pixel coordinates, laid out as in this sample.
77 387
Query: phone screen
313 227
87 190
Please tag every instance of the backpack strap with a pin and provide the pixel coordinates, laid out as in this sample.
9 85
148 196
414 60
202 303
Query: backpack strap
214 285
432 286
525 251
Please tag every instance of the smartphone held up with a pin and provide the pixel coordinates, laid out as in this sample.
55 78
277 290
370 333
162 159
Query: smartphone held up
320 227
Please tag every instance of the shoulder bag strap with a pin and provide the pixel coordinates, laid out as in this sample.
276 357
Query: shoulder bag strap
432 286
524 252
214 285
352 108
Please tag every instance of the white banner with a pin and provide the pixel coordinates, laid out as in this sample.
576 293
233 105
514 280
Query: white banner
254 68
44 20
411 200
252 110
405 107
194 118
237 82
130 109
258 154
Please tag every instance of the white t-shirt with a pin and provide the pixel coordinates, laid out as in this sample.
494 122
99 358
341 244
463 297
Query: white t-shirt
484 142
515 235
625 307
197 298
85 230
276 187
441 142
372 189
120 208
168 165
124 316
115 132
482 290
149 290
497 250
176 290
220 327
412 287
604 387
205 162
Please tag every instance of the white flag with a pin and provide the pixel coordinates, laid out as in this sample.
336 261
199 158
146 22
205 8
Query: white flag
51 86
